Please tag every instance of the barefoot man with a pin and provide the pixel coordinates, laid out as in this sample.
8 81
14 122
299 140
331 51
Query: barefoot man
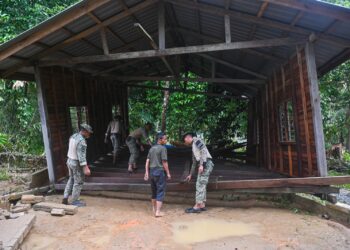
201 158
156 169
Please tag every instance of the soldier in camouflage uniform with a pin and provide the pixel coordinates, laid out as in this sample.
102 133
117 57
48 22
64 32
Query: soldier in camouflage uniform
77 165
133 141
201 158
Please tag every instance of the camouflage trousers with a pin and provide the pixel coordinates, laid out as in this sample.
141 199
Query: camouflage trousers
202 182
134 150
75 181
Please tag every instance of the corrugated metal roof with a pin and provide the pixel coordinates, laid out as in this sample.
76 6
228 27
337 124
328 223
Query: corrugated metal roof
198 23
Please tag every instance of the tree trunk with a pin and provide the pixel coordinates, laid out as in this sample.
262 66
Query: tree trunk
165 107
347 142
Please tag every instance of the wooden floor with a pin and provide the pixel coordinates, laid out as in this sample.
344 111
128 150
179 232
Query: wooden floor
226 175
179 159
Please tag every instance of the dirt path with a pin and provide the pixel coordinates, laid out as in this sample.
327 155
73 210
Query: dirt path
123 224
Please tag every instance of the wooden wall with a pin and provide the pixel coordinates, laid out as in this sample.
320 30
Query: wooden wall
64 88
289 82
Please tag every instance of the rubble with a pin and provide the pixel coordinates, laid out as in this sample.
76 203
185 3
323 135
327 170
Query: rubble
48 206
58 212
31 199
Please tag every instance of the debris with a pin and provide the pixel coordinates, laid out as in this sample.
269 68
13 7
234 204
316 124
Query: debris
19 207
16 231
31 199
48 206
15 216
58 212
325 216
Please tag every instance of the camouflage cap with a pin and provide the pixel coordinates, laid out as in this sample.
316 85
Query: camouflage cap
86 127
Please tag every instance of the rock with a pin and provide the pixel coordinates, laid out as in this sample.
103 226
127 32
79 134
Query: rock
58 212
31 199
48 206
20 208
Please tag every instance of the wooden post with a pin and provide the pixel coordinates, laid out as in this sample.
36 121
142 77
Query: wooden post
227 29
45 126
161 26
316 109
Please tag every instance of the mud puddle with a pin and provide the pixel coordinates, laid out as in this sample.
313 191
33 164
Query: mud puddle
210 229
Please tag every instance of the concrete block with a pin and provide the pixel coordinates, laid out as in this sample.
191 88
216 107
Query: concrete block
31 199
16 231
58 212
48 206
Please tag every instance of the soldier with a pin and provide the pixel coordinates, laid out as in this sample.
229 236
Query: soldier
133 141
77 165
114 129
157 169
201 158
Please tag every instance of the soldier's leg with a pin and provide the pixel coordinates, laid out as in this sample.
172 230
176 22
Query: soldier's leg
208 170
201 185
69 185
78 175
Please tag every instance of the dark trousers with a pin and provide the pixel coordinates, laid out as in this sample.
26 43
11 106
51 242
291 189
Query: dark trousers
158 183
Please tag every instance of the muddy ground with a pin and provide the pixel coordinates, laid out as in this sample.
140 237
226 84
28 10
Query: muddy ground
125 224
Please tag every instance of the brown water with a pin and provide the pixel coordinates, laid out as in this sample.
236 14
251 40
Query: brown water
210 229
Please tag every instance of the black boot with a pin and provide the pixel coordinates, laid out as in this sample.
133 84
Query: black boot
65 201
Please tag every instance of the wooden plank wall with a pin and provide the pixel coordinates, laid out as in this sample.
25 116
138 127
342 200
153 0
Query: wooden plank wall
65 88
289 82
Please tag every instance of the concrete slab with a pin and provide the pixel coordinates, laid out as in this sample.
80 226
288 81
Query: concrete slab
13 232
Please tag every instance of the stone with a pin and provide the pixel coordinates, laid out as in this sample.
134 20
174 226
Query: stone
19 209
16 231
31 199
58 212
48 206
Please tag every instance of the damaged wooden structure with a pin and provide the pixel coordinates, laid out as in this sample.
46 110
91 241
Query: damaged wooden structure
267 52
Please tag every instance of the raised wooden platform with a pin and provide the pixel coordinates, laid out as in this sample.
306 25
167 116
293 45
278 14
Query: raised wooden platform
242 178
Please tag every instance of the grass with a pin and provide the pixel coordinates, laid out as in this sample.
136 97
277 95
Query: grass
4 176
335 173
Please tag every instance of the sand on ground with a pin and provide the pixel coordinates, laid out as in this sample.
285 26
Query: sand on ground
128 224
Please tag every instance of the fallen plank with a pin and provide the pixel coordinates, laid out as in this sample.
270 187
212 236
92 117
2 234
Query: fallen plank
16 231
48 206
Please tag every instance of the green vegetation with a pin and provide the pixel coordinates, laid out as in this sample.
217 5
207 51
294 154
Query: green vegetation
213 117
4 176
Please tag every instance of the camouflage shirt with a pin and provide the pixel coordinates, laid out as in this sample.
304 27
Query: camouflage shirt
200 153
77 150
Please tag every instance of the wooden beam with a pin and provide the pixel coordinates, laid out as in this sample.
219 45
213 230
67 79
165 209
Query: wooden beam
198 79
119 66
307 182
240 16
161 25
315 7
104 41
155 46
80 35
316 109
233 66
51 25
190 92
227 29
176 51
218 40
45 125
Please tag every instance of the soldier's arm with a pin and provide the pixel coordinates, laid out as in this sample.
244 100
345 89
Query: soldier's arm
81 151
194 163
